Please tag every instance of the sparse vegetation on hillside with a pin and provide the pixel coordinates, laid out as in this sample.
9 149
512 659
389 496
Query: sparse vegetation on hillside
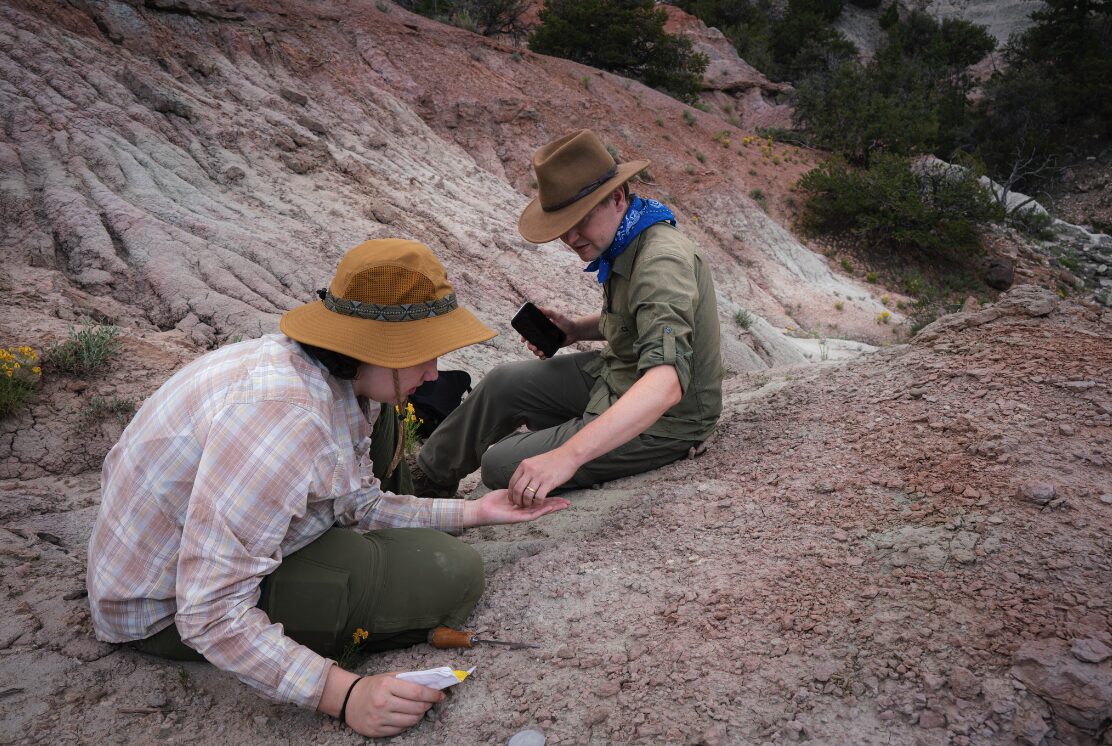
626 37
784 44
85 350
19 377
486 17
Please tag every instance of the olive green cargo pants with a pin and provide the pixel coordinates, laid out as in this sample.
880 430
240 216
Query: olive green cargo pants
549 398
396 584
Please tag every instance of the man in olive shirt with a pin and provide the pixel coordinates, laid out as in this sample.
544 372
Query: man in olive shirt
641 402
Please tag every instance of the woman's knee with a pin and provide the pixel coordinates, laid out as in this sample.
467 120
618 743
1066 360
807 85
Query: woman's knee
458 571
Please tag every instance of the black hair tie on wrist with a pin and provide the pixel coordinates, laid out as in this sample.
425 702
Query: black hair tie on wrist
344 706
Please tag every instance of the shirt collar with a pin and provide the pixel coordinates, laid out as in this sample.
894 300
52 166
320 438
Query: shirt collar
623 265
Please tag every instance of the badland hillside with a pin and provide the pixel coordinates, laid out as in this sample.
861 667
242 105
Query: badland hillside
891 539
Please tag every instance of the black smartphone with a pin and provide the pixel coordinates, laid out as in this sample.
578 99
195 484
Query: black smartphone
538 329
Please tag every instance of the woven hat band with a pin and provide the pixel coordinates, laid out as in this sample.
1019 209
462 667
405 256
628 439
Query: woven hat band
584 191
383 312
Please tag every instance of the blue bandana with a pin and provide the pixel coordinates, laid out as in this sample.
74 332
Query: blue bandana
642 214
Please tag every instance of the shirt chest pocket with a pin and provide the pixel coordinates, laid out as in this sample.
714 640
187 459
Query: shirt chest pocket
621 333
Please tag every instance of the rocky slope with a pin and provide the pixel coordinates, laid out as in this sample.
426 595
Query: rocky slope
910 548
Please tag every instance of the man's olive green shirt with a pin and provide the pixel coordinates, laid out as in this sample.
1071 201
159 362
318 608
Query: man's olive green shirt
659 308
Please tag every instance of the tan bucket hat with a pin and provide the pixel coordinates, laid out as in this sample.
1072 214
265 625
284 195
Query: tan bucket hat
574 174
390 304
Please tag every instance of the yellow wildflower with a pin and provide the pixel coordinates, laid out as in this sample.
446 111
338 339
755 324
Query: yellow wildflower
359 635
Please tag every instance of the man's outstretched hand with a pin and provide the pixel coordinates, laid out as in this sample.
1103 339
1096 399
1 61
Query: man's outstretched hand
495 507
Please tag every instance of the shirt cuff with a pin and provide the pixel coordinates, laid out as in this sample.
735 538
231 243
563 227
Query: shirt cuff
303 682
446 514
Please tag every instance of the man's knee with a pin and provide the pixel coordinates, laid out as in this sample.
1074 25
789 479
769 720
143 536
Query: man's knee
499 463
502 378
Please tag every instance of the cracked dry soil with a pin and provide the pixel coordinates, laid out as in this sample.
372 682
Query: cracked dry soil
860 557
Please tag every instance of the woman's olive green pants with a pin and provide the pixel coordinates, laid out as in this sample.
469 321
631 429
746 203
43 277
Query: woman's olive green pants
396 584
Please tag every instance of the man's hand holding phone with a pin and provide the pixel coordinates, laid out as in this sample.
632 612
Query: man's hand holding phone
544 330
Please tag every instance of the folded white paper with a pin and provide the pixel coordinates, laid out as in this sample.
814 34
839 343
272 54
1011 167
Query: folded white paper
437 678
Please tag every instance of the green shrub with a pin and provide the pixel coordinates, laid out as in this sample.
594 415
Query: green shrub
743 319
758 196
626 37
889 204
1033 223
19 377
86 349
98 408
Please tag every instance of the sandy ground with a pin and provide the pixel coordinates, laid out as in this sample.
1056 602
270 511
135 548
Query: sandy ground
856 559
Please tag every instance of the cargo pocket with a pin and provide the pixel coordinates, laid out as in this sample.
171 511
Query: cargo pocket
312 602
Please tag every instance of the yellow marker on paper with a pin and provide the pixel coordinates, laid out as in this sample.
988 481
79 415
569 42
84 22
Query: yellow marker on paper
437 678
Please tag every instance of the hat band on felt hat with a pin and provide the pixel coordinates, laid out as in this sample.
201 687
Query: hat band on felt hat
584 191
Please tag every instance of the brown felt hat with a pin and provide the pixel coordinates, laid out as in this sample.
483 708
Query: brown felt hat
390 304
574 174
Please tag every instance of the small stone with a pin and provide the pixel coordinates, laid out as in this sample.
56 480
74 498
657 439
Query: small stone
312 125
565 652
293 96
824 488
598 715
1065 429
970 492
1090 650
963 683
608 689
931 719
938 487
530 737
261 720
933 682
22 571
1106 499
157 699
1037 492
824 671
1029 728
715 736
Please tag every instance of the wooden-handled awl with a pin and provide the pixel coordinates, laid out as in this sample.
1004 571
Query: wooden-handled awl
446 637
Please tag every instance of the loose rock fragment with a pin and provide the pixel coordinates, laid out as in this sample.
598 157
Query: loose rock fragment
1040 493
1090 650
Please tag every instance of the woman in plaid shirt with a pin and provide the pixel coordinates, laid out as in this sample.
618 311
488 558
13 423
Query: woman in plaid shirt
242 520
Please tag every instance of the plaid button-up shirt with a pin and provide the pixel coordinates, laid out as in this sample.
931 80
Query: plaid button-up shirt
244 456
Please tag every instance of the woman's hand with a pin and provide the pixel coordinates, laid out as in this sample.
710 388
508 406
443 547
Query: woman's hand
495 507
385 706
